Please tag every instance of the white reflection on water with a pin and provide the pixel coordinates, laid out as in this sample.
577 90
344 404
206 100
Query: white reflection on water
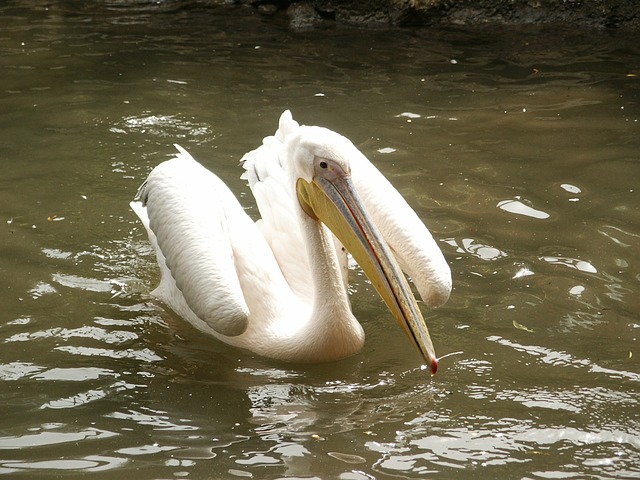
146 449
42 288
571 188
555 358
52 438
90 463
77 400
56 253
76 374
615 234
347 457
581 265
112 337
475 248
513 441
171 126
589 401
519 208
83 283
144 354
157 419
17 370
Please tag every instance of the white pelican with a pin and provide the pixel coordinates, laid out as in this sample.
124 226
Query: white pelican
278 287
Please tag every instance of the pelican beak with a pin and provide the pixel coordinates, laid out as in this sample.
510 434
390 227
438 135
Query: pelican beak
333 200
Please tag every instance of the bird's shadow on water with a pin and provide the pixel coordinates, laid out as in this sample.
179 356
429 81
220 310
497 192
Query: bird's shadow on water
257 394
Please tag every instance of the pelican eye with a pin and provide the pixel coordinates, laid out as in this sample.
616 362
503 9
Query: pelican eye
323 165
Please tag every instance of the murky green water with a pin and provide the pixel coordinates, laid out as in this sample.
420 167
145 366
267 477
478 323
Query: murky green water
520 149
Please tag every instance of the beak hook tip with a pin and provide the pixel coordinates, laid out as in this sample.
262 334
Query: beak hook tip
434 366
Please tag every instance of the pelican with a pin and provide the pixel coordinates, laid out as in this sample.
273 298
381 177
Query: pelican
278 286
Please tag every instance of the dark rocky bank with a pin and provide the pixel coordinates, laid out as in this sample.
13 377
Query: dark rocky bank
583 13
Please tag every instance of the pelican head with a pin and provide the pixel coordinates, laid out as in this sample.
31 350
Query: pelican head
322 162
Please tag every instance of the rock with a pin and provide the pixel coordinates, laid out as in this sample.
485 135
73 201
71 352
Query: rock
302 15
585 13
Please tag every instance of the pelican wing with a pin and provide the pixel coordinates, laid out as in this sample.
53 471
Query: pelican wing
188 211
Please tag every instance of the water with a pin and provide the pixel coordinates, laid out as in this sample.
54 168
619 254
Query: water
520 149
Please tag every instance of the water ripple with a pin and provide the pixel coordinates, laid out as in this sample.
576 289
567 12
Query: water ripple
90 463
52 438
112 337
144 354
555 358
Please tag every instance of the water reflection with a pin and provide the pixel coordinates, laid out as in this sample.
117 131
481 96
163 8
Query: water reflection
168 126
556 358
581 265
518 208
472 247
91 463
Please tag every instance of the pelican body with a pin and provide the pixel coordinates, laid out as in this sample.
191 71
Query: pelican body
278 286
